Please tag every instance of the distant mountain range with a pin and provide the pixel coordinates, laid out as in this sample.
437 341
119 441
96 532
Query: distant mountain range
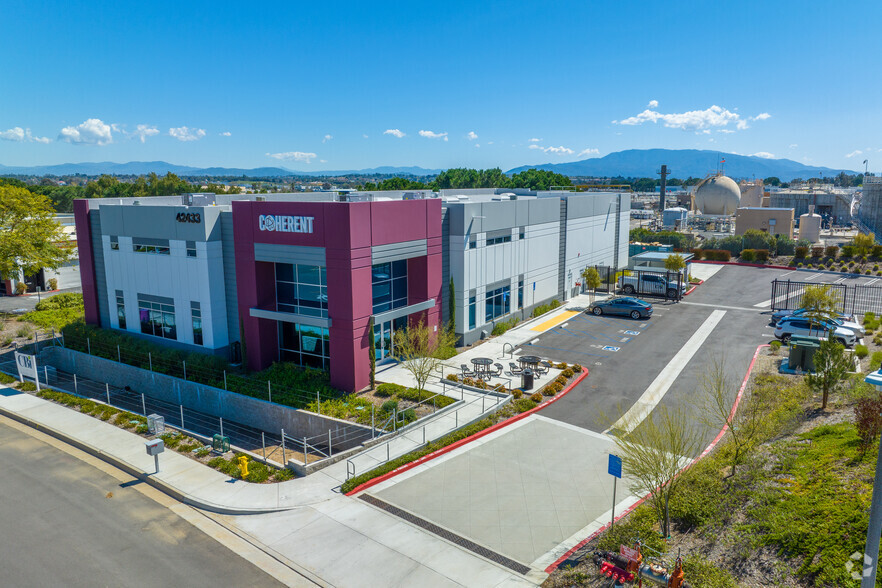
639 163
632 163
137 168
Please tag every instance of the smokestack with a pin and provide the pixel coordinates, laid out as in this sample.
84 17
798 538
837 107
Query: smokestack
664 185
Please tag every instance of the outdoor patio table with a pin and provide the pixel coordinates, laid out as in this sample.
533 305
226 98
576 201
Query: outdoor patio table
482 367
529 360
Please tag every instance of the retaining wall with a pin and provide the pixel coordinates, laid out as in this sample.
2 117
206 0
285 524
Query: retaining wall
250 411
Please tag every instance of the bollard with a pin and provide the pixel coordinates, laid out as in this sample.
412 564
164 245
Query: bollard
107 389
305 453
76 388
269 390
143 404
387 451
225 379
318 403
221 426
150 359
284 455
184 363
89 345
182 415
263 444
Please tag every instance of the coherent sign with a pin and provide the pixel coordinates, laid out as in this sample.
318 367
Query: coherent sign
285 224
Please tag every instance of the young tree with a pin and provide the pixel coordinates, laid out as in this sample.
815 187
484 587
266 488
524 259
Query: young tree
864 243
820 303
591 279
417 347
30 237
654 451
832 365
675 263
745 426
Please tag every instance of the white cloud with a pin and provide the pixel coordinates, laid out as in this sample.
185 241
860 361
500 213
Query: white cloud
763 154
293 156
226 134
477 144
534 140
323 161
144 131
559 150
92 131
793 145
586 152
726 131
853 153
489 142
704 132
365 136
433 135
652 104
186 133
327 138
21 135
533 147
693 120
394 133
472 135
116 128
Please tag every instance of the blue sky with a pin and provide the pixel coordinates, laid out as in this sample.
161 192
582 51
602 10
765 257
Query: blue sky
348 85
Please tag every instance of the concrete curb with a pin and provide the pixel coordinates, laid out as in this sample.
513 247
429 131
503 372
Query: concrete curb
461 442
780 267
163 487
707 450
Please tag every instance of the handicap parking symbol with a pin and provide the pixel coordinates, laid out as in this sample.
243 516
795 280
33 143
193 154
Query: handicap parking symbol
632 332
610 348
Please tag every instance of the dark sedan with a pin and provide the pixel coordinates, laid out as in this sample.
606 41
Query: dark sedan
624 306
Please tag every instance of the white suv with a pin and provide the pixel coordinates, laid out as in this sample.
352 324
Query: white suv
802 327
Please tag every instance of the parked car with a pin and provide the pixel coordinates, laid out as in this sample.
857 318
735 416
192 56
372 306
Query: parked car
802 327
648 283
622 305
832 323
779 314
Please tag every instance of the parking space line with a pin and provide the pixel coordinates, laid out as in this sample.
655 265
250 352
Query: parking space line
787 273
663 382
567 350
721 306
873 281
811 277
839 281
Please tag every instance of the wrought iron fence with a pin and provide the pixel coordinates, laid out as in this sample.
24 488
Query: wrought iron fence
853 299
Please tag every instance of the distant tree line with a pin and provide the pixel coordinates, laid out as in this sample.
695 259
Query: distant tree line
465 178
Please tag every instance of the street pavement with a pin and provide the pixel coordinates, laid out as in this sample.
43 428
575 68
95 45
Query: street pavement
29 301
66 523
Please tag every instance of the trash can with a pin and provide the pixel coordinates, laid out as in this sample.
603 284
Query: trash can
527 379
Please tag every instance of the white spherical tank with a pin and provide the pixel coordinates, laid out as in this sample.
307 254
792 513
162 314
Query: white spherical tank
810 227
718 195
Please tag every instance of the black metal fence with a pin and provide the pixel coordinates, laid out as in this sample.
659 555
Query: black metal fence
654 282
853 298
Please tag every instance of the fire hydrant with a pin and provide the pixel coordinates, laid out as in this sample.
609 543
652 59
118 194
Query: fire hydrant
243 465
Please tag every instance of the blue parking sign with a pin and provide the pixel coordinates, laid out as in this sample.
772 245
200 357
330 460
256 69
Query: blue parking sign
615 466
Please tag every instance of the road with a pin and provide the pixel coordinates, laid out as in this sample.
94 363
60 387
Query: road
67 523
27 303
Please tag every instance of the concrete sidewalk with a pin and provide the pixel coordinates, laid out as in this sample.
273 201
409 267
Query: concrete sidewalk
298 515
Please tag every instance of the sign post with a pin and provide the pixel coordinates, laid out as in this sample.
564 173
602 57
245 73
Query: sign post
615 470
27 366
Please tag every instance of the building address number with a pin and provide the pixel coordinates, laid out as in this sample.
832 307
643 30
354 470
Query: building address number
189 217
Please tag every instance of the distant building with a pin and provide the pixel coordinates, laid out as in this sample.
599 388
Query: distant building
67 275
775 221
833 205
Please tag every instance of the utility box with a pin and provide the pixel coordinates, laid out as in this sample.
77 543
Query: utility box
155 447
220 443
155 424
802 353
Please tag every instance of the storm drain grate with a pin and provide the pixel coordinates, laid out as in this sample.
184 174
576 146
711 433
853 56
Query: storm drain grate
444 533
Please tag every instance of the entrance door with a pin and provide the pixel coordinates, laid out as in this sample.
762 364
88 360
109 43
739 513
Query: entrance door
384 336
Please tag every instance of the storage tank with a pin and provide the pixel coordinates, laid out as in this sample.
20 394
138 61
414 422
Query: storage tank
718 195
752 193
810 225
671 217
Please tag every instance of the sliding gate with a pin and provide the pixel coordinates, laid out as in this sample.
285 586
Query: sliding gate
854 299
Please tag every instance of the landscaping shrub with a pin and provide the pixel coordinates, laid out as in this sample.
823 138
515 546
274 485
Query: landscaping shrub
388 389
876 251
775 345
861 351
452 377
21 288
561 366
697 253
875 361
832 251
748 255
868 420
6 378
517 393
717 255
536 397
802 252
762 255
548 389
800 264
577 368
53 283
561 380
26 386
818 251
568 373
502 327
847 251
543 308
389 406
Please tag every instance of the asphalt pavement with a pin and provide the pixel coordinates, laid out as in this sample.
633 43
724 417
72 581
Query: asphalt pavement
66 523
27 302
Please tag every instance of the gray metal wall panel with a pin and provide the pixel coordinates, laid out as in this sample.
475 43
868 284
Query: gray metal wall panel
100 274
544 210
229 253
275 253
397 251
445 265
157 299
287 317
562 252
160 222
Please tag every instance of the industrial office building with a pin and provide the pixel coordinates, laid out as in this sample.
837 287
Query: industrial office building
286 277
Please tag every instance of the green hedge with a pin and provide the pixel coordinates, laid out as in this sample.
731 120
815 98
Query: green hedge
502 327
543 308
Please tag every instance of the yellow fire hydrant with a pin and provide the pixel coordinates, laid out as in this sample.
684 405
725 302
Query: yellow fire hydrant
243 465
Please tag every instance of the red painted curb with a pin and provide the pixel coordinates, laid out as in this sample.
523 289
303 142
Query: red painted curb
689 291
707 450
461 442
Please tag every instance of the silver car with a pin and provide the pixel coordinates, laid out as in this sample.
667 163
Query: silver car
802 327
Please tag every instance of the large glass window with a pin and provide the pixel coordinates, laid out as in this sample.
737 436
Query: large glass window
472 311
302 289
521 293
143 247
304 345
121 310
499 240
389 285
114 242
196 317
157 319
497 303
